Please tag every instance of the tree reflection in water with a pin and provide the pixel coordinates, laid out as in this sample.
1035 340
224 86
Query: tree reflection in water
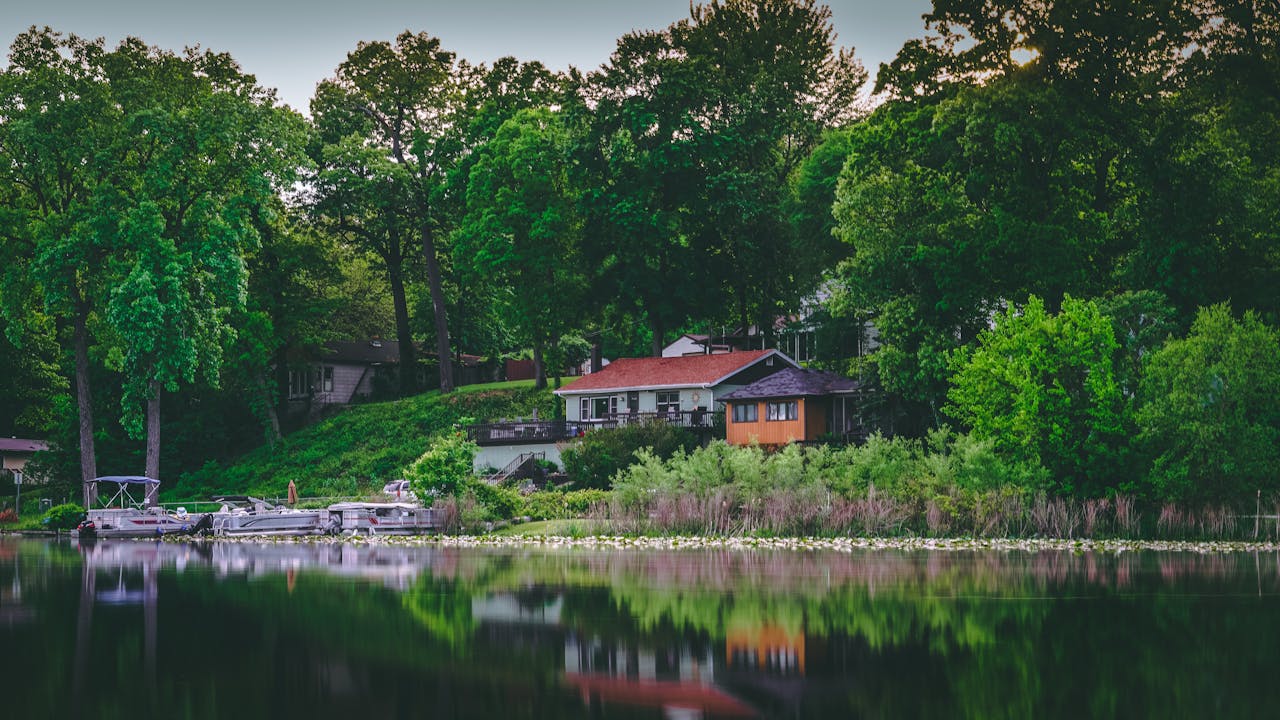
321 630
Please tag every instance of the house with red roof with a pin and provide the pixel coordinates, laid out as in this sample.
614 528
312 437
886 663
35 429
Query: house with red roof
687 389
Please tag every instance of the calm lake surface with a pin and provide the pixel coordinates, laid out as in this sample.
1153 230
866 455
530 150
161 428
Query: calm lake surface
214 630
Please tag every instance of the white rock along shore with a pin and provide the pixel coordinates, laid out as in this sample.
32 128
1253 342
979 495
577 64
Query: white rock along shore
839 544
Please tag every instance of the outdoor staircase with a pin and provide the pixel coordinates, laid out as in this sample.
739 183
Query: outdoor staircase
516 466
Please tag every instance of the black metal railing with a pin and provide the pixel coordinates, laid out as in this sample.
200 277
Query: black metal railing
515 432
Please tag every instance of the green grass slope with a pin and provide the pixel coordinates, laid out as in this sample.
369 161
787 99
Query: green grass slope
363 447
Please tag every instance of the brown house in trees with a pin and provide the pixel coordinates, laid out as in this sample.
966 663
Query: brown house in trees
793 405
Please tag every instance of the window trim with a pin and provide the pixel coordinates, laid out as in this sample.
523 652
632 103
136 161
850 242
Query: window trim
669 406
587 406
750 412
782 411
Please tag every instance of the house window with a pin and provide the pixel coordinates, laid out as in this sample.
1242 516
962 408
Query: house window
802 346
746 412
298 385
598 408
668 402
781 410
323 378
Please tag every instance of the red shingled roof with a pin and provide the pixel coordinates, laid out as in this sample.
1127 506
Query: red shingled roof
660 372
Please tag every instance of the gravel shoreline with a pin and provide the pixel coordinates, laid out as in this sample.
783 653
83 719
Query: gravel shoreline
614 542
688 542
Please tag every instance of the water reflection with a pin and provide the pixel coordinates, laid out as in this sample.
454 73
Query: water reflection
144 629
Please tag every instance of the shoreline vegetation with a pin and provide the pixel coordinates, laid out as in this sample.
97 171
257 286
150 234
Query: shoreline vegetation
688 542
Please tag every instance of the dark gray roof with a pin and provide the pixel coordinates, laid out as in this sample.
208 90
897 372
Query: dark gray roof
22 446
379 352
795 382
365 352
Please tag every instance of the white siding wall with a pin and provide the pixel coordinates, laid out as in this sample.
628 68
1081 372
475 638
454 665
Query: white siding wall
498 456
649 400
345 379
683 346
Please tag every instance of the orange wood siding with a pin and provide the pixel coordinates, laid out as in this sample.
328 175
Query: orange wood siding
814 412
766 432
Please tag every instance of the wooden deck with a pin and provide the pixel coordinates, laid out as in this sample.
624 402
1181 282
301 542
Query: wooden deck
517 432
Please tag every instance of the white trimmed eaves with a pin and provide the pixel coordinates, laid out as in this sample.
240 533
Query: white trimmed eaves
757 361
704 386
611 390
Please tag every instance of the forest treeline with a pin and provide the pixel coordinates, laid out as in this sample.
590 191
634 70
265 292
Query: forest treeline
1060 218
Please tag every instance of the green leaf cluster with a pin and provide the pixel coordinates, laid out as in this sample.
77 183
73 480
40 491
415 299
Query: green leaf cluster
1043 388
445 468
1208 416
599 456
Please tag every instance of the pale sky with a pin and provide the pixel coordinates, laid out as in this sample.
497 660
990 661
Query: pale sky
293 44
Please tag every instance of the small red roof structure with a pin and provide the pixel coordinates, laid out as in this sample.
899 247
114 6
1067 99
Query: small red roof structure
701 371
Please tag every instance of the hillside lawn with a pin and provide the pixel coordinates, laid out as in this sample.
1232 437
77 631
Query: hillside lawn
357 451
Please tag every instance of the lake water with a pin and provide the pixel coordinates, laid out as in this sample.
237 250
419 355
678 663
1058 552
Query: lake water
220 630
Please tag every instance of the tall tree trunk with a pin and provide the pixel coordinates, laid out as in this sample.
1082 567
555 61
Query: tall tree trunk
280 402
404 337
597 355
269 406
153 433
438 308
84 399
558 369
655 324
539 366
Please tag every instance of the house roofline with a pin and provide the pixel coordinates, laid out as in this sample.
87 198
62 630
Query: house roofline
772 353
705 386
630 388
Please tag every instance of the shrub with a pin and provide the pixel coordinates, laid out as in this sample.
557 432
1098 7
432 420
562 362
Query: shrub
595 461
502 503
445 467
580 502
63 517
546 505
1042 388
8 516
1209 416
556 505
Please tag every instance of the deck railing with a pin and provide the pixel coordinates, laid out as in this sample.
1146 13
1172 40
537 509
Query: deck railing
516 432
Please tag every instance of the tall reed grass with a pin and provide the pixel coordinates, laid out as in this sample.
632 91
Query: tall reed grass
946 485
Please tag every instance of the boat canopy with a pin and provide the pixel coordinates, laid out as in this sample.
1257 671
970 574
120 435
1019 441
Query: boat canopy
151 488
127 480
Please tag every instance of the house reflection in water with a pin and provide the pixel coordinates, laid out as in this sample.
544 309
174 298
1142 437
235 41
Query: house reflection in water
679 680
769 649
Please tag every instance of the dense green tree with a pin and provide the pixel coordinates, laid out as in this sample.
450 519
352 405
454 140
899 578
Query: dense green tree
1042 386
521 228
1105 49
480 321
1216 139
361 196
692 134
1143 320
58 120
810 201
407 103
139 225
202 153
1208 415
31 381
